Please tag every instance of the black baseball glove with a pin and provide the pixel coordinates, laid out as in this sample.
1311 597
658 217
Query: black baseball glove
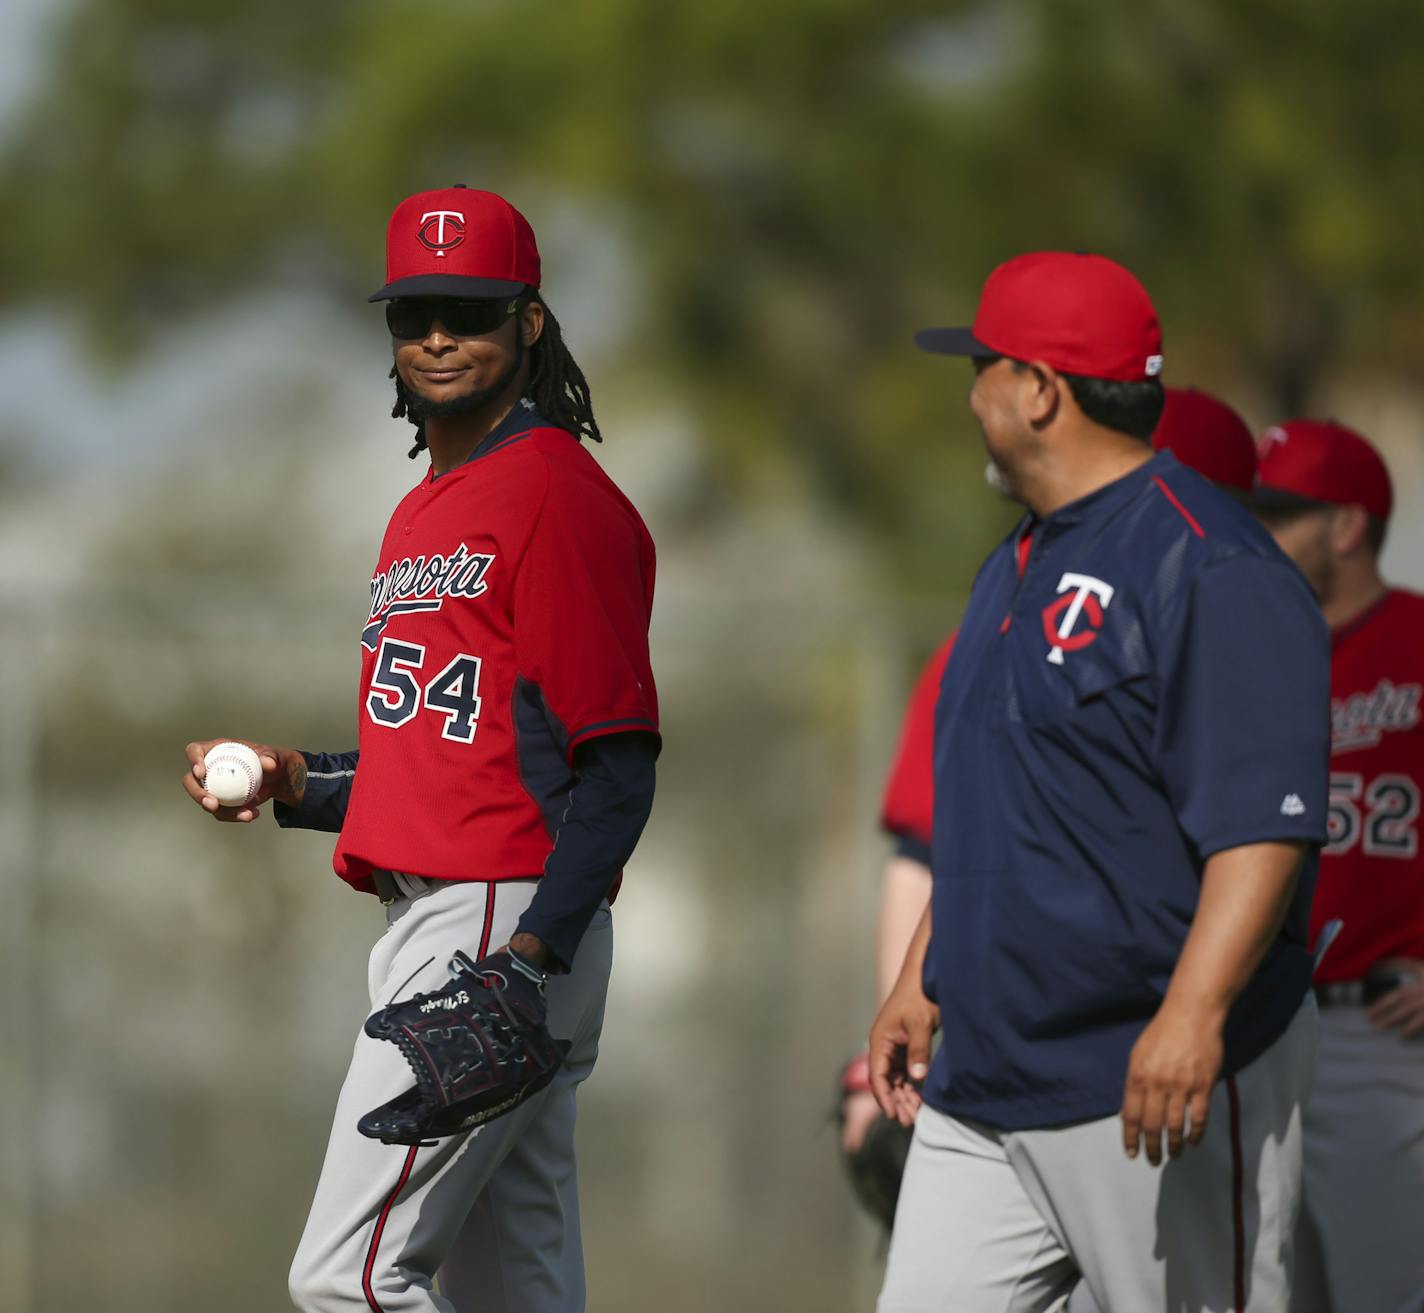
479 1048
875 1170
876 1167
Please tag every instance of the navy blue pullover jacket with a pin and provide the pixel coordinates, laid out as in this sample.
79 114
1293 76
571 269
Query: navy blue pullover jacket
1141 679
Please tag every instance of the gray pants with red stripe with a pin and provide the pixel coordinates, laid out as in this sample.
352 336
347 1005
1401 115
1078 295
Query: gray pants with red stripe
1361 1231
478 1223
1011 1222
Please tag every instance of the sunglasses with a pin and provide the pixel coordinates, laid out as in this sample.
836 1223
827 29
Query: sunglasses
413 319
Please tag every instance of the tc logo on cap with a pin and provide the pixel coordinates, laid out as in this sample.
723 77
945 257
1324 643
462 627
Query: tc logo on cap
1271 437
441 221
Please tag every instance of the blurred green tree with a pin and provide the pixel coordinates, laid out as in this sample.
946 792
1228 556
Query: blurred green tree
803 183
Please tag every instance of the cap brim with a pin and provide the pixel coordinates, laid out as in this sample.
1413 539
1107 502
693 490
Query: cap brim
953 342
1263 497
453 285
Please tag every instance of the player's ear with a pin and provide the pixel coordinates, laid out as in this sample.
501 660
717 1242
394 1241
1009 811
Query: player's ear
1349 529
531 321
1043 389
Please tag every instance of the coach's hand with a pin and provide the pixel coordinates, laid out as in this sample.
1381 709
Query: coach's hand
900 1048
284 777
1170 1075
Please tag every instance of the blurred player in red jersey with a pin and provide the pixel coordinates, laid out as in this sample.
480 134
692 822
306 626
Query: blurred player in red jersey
875 1147
1202 432
1325 494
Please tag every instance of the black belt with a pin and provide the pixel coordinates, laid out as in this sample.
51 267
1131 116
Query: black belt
1360 993
388 888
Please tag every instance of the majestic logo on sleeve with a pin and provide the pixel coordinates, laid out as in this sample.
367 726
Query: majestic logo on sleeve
1088 600
449 230
1362 719
423 584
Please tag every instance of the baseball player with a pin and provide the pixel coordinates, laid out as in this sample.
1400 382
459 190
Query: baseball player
1325 494
873 1145
508 732
1129 793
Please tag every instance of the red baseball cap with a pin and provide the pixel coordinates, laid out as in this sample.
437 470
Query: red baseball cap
458 242
1206 434
1080 313
1312 460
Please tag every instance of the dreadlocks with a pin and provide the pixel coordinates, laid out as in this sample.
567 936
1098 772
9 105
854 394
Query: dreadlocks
557 386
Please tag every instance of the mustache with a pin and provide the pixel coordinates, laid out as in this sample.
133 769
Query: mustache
419 409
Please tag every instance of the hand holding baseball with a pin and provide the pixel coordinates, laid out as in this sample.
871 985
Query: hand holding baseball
245 775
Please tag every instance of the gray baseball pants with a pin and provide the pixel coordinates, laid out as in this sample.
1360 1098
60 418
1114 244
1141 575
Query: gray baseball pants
491 1216
1011 1222
1362 1226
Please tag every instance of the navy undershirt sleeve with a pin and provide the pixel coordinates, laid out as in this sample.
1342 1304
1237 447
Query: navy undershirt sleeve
323 804
607 808
1243 735
911 846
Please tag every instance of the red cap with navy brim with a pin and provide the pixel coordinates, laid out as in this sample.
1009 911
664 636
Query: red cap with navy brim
458 242
1080 313
1305 461
1204 433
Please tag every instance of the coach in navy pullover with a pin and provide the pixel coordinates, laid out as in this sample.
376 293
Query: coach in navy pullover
1131 759
1081 786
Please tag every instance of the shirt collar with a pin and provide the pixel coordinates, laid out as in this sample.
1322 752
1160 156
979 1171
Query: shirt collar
1356 623
523 416
1106 501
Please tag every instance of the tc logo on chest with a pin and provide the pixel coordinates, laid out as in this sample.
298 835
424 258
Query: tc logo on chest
1087 600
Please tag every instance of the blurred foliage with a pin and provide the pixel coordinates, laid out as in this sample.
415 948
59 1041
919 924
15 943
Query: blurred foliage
803 184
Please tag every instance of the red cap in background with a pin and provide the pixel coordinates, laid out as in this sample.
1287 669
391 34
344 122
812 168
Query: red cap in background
1082 314
458 242
1206 434
1312 460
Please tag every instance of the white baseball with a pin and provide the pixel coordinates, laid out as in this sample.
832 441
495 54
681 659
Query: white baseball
234 774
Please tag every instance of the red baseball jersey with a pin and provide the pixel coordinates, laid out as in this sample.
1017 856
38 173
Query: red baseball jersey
508 624
1372 871
908 807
